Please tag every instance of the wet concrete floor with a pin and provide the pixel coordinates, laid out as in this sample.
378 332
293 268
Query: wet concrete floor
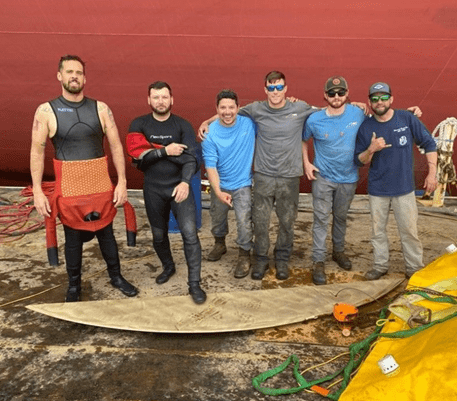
42 358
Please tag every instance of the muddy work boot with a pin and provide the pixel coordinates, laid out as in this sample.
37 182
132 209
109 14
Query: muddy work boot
282 271
342 260
218 250
319 273
197 294
244 264
374 274
259 270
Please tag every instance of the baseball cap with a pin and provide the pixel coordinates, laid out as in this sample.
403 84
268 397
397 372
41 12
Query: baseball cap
381 87
335 82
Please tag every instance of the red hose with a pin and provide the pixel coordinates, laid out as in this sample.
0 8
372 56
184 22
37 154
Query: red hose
16 219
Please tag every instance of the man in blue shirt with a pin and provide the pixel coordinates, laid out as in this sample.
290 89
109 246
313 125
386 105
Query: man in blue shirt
333 172
228 151
386 141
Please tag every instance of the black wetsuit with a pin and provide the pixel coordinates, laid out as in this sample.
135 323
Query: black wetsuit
162 174
79 136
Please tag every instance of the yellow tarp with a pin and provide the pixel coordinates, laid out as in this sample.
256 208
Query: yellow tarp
427 360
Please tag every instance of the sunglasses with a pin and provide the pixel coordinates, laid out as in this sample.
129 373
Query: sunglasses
271 88
375 99
333 93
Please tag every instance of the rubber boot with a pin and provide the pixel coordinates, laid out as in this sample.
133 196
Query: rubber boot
196 292
168 271
74 285
244 263
193 254
117 281
218 250
163 251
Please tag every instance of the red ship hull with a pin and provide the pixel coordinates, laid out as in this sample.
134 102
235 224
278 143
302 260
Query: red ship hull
201 48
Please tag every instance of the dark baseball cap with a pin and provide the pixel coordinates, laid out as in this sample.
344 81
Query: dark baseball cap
335 82
379 87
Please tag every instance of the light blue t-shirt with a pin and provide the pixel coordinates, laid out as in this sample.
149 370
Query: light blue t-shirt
230 150
334 143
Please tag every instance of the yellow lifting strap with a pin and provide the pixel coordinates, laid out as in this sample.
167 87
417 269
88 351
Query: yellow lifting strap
406 307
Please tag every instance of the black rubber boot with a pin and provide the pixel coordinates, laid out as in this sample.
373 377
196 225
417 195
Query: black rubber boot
163 251
168 271
218 250
74 285
193 253
110 253
197 294
124 286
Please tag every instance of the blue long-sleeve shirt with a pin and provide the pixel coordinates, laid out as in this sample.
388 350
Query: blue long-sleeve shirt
392 169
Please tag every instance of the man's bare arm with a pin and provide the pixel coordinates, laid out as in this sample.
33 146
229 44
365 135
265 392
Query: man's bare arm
213 178
117 151
40 133
430 181
309 167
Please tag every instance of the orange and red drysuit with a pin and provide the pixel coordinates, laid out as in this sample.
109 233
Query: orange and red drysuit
83 200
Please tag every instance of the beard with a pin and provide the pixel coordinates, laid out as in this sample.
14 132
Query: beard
161 112
381 112
73 89
337 106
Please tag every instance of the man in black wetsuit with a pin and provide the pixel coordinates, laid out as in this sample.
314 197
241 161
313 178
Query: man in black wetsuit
171 157
84 197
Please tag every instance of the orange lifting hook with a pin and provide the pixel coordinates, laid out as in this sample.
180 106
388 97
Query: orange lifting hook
345 314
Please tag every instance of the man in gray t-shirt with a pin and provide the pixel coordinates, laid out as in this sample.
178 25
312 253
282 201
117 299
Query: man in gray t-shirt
278 165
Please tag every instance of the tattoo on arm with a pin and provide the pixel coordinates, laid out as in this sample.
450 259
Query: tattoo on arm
110 123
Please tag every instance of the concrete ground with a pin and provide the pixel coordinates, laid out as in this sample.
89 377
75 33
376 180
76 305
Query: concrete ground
42 358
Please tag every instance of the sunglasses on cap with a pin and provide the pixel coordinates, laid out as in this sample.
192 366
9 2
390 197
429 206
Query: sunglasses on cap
271 88
333 93
375 99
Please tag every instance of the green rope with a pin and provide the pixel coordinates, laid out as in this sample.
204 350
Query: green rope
357 353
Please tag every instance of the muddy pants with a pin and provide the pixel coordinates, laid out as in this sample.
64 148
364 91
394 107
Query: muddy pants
282 192
242 205
330 198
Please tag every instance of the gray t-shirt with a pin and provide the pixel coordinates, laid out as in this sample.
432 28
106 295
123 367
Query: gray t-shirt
278 149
